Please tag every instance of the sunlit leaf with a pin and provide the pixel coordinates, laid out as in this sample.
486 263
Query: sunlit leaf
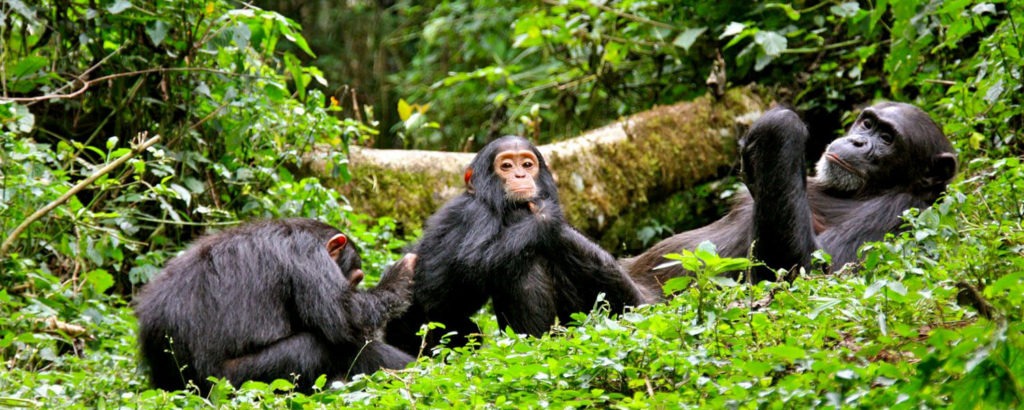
686 39
404 109
27 65
771 42
677 284
100 280
786 8
119 6
157 31
788 353
732 29
845 10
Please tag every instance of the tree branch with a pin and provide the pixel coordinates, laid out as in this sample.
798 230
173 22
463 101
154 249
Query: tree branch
74 190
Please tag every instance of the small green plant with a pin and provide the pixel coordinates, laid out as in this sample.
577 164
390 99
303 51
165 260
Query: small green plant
708 270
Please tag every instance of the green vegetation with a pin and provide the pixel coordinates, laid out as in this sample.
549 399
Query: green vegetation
933 319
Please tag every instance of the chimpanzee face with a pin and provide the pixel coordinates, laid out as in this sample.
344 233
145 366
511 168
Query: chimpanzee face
849 161
518 168
886 147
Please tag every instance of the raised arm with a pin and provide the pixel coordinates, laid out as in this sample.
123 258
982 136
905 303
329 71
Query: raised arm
774 172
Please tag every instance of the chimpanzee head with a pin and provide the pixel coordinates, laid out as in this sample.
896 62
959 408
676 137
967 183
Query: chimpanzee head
510 171
345 254
890 146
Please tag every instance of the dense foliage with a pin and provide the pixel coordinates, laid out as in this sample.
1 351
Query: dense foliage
934 319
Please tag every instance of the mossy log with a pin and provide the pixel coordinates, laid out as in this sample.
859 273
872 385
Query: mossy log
615 170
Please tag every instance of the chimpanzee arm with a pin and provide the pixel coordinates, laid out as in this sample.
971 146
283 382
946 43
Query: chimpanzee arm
372 309
489 246
598 271
322 298
774 172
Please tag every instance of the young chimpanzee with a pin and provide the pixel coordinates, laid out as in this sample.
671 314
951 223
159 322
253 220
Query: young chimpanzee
505 239
268 300
893 158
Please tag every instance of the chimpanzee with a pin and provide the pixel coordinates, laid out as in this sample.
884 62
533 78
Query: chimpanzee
268 300
505 239
893 158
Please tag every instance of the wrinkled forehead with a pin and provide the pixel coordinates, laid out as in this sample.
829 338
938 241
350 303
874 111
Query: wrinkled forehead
513 146
905 119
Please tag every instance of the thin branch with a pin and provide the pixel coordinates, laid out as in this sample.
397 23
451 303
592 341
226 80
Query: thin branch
833 46
74 190
619 13
86 84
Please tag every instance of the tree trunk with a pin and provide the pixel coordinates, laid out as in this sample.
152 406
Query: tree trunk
605 173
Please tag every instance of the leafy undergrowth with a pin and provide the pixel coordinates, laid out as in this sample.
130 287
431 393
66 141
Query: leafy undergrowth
934 319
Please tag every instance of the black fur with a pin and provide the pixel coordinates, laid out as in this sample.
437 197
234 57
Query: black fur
265 301
533 265
902 160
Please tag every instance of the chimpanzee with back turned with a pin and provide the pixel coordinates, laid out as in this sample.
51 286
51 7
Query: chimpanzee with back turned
893 158
505 239
268 300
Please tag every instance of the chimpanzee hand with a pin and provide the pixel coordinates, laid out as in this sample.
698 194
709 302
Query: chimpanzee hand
401 273
773 151
395 286
547 220
538 209
545 210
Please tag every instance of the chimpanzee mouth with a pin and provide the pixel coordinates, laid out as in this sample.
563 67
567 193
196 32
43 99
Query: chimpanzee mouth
843 164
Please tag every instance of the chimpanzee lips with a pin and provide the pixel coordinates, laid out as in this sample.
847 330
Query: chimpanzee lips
843 164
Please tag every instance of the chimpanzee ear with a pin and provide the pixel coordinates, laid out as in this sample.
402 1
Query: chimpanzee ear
469 185
336 244
943 168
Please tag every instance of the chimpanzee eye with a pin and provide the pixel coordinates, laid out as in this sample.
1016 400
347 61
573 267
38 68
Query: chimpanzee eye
528 164
506 165
886 137
868 124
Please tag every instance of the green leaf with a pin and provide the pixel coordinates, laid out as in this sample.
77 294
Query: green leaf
771 42
157 31
182 193
723 281
118 153
614 53
787 353
289 33
281 385
786 8
28 65
706 251
686 39
897 287
873 289
294 67
983 8
677 284
119 6
724 265
1011 282
845 10
100 280
732 29
846 374
240 35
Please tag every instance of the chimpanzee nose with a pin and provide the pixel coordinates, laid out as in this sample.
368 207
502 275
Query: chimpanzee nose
858 142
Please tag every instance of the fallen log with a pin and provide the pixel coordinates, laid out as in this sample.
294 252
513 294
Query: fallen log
602 174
